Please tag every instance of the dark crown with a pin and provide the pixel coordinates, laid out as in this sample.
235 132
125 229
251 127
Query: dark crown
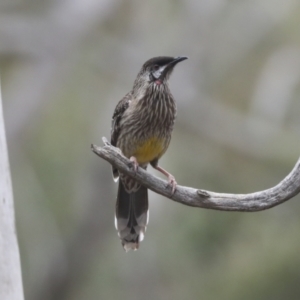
159 60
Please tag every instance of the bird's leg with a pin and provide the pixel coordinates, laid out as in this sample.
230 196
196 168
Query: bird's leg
134 163
171 178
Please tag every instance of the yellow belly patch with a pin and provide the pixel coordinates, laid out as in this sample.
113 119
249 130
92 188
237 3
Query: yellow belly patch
149 150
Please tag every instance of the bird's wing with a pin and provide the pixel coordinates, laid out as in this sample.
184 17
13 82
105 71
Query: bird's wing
117 116
115 125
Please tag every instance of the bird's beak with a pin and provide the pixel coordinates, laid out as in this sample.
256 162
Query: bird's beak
177 60
169 67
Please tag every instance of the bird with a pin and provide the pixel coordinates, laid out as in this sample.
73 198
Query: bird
142 124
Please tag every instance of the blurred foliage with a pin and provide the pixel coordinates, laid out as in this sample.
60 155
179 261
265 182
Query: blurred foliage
65 64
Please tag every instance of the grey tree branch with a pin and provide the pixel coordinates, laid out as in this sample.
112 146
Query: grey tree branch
286 189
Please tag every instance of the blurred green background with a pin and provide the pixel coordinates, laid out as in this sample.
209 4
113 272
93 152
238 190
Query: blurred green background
64 66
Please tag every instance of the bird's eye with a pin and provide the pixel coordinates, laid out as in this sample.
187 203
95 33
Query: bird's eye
156 67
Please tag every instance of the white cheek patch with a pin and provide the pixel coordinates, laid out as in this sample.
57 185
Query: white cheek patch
158 72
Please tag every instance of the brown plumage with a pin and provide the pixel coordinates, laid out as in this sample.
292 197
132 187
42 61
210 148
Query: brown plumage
142 124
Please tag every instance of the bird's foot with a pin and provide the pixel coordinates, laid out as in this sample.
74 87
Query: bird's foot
134 163
171 179
172 182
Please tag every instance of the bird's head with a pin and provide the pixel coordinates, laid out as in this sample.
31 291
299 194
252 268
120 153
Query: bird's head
157 70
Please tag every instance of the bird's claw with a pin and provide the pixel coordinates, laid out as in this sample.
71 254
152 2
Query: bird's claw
133 163
172 182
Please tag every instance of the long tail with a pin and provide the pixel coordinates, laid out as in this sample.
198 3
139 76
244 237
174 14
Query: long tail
131 216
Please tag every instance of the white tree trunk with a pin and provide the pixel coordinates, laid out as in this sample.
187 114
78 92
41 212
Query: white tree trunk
11 287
